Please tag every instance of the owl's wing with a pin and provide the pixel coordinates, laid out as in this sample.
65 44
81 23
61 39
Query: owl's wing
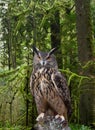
62 89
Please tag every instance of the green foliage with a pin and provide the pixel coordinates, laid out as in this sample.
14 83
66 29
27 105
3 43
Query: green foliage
79 127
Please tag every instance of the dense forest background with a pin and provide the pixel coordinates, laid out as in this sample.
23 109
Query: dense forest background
66 24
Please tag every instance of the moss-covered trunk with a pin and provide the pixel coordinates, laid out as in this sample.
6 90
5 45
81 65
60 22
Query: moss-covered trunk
85 54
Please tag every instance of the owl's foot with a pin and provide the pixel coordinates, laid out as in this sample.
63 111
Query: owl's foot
61 120
60 117
41 116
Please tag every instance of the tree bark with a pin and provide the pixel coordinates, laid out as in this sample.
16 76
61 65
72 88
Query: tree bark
27 90
56 37
85 54
27 101
84 30
9 44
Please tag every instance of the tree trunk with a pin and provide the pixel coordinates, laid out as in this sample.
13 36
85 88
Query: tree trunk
27 90
27 101
55 36
84 38
9 44
14 53
84 30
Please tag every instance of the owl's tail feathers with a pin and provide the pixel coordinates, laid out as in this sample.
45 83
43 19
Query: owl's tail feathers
52 123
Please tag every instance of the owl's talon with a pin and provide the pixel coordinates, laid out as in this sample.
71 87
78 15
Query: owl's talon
57 116
41 116
60 118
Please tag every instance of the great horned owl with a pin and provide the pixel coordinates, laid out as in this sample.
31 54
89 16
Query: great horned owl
48 85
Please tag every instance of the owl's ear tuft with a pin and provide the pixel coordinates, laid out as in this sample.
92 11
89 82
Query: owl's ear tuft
52 51
35 50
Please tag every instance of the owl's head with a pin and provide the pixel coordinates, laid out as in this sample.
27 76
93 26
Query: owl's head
44 59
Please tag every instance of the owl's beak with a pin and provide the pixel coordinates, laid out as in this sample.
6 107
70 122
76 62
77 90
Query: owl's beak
43 63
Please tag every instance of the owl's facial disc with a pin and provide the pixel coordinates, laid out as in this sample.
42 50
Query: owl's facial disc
44 59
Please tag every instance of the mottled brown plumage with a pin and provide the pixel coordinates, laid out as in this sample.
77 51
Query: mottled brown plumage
48 85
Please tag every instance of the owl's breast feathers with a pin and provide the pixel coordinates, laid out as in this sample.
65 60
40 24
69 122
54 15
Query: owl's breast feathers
48 82
41 81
